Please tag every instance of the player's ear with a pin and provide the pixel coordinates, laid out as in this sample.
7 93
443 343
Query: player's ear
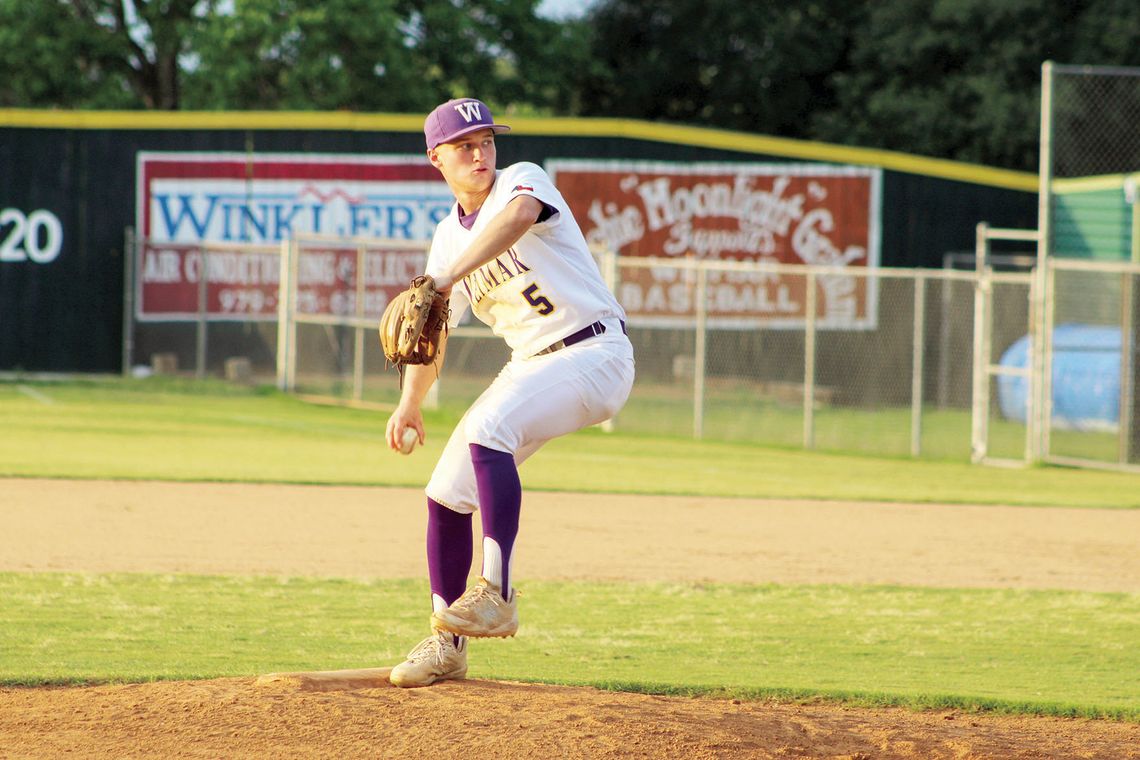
433 157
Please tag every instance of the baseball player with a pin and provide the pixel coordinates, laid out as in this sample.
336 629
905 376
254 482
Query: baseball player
511 251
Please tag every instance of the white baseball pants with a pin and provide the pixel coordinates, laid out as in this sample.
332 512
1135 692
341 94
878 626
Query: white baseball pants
531 402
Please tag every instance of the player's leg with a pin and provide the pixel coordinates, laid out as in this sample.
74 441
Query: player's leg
529 403
455 484
442 655
497 478
449 553
465 477
489 608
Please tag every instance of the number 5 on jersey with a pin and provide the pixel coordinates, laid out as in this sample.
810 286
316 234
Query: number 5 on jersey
541 303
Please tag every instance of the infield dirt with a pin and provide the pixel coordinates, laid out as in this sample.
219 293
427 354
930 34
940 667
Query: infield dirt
337 531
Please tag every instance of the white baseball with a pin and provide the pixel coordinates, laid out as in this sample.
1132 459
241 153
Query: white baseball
409 440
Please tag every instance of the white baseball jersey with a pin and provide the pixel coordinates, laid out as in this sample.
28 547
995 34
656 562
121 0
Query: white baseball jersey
542 289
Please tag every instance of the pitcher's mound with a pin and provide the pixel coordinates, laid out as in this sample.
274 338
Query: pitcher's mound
245 717
329 680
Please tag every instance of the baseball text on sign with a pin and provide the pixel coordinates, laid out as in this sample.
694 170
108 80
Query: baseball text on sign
767 213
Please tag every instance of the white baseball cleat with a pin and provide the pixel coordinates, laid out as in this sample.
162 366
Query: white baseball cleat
436 658
480 612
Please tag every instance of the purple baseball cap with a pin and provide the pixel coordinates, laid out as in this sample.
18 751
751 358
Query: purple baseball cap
456 118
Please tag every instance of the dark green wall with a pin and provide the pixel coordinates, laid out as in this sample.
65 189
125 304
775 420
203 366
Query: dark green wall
66 315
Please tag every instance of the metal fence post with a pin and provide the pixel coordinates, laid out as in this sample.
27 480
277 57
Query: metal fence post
284 315
358 344
611 274
203 284
1045 380
1128 326
809 362
1039 386
1124 426
917 365
980 415
701 351
129 242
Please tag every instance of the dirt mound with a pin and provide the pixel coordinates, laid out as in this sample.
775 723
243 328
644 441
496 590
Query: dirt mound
487 719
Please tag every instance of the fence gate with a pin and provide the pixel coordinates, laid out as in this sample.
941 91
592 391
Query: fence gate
1003 419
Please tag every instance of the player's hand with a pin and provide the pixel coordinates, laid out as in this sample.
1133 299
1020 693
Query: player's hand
405 416
443 284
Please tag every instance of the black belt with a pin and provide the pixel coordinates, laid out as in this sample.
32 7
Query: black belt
589 331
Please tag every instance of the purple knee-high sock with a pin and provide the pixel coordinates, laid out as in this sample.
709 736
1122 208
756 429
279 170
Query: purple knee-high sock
500 501
449 552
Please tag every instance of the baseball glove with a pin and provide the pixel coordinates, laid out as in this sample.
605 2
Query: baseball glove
414 324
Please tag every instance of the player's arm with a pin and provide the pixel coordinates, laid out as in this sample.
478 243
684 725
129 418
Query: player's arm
418 379
501 233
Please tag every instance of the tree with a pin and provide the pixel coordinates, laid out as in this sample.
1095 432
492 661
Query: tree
373 55
960 79
500 51
379 55
956 79
292 54
758 67
95 53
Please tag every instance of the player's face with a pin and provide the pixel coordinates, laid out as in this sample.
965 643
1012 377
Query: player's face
468 163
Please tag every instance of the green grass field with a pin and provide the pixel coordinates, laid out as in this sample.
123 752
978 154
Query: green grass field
184 430
1053 652
735 411
1062 653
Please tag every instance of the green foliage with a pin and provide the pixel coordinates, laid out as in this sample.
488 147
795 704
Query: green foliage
1062 653
289 54
379 55
955 79
60 59
498 50
758 67
95 53
961 78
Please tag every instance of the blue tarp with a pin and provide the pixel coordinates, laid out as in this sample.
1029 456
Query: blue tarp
1086 378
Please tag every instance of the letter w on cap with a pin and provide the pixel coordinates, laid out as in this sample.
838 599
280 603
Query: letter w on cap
469 110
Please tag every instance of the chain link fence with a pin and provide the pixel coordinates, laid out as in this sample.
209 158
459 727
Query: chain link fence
201 308
896 382
1093 413
845 359
1091 236
891 378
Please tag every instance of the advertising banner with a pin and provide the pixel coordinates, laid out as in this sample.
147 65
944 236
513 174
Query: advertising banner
233 210
775 213
326 276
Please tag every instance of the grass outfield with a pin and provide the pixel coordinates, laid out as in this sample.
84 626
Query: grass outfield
1059 653
1050 652
163 429
736 412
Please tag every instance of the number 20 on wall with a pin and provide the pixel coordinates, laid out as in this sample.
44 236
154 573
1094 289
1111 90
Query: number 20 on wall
37 236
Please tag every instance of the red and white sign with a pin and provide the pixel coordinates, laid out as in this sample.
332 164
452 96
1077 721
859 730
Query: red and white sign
775 213
233 210
326 277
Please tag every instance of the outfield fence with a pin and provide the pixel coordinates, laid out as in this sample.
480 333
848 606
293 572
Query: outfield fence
891 362
1088 256
1029 354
